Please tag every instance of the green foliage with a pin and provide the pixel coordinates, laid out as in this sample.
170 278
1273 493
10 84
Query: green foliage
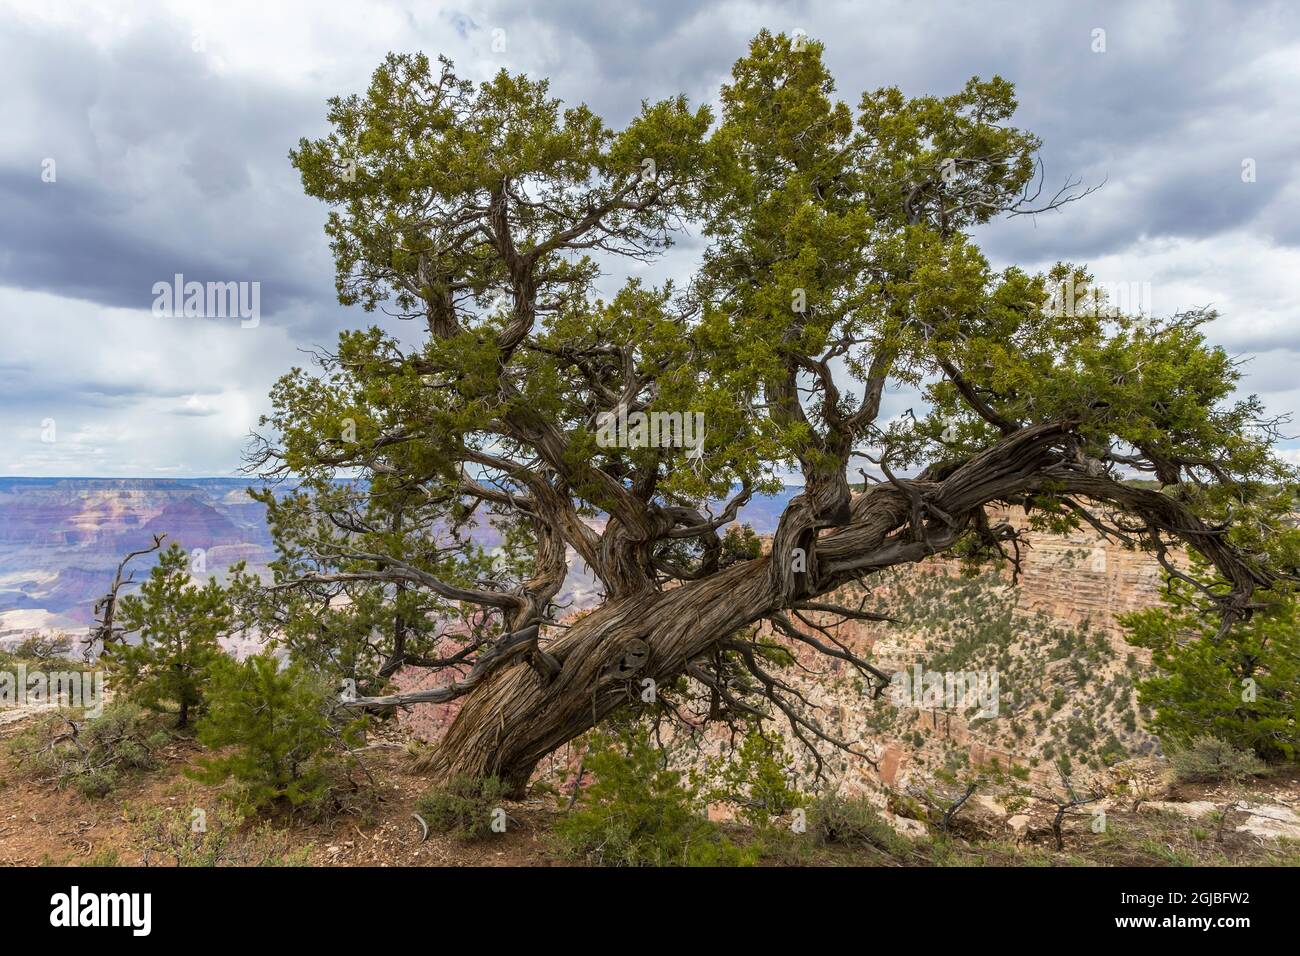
364 633
757 781
476 207
178 625
44 648
279 725
473 207
465 807
637 812
43 654
1241 686
1209 759
854 822
101 858
172 836
92 756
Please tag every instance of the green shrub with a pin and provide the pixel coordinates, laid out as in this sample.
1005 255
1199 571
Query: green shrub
853 822
1242 686
1208 759
106 857
93 756
465 807
172 835
636 812
280 724
756 781
178 625
44 648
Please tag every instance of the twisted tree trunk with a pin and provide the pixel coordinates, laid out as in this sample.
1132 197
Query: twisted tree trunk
516 717
518 713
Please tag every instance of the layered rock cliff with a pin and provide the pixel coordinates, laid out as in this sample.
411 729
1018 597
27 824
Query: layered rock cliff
1047 647
1051 638
61 538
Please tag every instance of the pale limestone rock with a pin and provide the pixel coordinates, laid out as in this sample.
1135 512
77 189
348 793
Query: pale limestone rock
908 827
1019 823
1196 809
1272 822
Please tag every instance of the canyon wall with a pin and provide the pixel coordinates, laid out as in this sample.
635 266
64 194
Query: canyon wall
62 538
1052 638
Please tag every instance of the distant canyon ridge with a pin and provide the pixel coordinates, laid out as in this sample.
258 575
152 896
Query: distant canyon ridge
1067 674
62 538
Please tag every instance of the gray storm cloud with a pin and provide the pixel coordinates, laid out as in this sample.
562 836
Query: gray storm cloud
169 125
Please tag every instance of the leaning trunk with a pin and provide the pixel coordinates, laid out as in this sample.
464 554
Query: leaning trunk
516 717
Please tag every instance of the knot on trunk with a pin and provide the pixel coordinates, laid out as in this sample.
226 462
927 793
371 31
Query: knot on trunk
636 653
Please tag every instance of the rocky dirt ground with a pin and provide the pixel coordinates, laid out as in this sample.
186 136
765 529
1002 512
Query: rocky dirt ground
139 823
42 825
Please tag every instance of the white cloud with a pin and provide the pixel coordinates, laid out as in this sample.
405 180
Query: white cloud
170 122
129 393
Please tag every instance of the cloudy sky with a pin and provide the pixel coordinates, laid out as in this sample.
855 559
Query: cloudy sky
147 139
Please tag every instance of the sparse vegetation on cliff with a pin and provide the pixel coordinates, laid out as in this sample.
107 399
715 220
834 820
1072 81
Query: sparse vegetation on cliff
93 756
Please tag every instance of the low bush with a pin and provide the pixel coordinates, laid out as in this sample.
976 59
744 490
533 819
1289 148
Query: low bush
45 648
221 838
465 807
838 820
1209 760
637 812
93 756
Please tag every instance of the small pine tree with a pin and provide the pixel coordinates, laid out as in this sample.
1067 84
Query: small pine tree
179 624
1242 687
757 781
637 812
278 721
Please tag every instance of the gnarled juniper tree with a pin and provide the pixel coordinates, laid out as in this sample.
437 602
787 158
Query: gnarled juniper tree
838 263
